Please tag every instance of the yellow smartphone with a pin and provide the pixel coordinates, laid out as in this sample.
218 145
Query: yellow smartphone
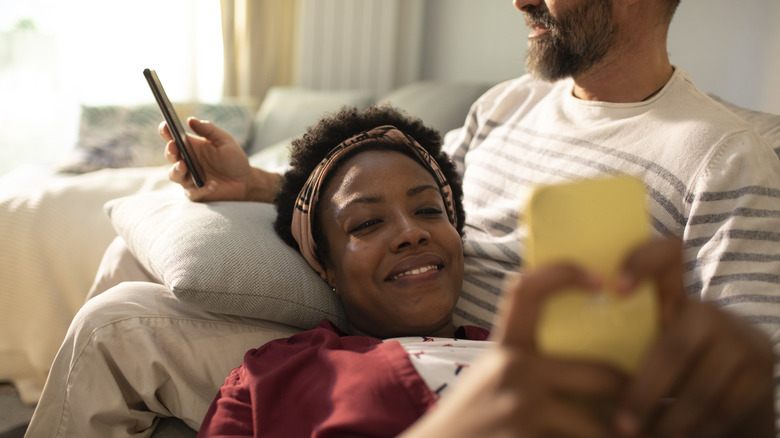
593 224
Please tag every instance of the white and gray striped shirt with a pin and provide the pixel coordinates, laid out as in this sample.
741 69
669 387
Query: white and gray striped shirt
711 180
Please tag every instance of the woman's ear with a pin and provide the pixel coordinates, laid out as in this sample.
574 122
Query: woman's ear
330 277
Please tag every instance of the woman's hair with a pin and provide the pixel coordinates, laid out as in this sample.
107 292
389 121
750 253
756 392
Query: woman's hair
309 150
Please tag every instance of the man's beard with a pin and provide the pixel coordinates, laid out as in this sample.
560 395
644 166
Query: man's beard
578 39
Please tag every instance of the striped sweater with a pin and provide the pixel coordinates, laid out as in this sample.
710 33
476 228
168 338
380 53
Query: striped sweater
711 181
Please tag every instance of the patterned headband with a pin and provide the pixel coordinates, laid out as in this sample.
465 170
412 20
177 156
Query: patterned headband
309 194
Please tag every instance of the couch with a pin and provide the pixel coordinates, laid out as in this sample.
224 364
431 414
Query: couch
55 227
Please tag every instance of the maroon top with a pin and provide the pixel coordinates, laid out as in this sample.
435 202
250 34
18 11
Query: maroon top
322 383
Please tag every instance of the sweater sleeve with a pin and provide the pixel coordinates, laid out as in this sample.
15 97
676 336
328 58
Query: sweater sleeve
732 236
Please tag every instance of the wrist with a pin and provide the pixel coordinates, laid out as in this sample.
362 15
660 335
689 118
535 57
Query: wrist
262 185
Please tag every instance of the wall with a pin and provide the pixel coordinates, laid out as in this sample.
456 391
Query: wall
729 48
481 41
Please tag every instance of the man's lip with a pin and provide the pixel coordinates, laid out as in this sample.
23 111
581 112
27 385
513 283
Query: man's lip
537 30
410 263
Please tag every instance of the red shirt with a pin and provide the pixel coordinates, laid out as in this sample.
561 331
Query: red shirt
322 383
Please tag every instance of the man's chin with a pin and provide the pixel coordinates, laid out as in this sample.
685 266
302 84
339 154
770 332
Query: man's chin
543 72
541 60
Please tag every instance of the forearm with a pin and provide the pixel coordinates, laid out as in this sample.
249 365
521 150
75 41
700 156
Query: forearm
262 185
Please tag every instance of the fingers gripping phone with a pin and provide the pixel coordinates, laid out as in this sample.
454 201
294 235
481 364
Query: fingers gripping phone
594 224
175 127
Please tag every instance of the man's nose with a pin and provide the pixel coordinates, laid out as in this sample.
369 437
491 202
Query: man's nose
521 5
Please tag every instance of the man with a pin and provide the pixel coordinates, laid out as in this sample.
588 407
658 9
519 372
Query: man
603 99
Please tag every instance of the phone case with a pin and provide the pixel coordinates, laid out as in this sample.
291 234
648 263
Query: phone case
593 224
175 127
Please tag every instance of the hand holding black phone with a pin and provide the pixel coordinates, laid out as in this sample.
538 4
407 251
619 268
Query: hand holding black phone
175 127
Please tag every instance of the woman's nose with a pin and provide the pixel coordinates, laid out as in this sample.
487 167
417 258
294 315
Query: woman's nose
409 234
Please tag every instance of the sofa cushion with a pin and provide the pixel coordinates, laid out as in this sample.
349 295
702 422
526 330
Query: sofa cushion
114 136
287 112
224 257
441 105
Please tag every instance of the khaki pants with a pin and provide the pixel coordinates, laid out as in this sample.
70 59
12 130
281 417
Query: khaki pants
134 354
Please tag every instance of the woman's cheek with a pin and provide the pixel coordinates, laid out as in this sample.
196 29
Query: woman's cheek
360 252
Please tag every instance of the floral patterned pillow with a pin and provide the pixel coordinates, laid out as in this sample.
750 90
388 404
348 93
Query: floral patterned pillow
126 136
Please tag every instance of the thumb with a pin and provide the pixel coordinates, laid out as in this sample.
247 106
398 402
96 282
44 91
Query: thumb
524 297
209 131
660 260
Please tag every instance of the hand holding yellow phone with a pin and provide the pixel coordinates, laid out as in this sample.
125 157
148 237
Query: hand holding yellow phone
593 224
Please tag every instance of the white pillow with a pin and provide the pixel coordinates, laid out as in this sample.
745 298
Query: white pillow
224 257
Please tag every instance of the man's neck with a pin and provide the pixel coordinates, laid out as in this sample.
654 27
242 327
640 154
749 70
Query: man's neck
634 70
619 82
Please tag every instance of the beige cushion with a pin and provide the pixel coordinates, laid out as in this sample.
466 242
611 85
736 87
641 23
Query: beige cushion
224 257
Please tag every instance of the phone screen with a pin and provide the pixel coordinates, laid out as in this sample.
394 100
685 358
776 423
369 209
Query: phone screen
175 127
594 224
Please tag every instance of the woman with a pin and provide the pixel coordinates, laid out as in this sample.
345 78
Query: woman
379 216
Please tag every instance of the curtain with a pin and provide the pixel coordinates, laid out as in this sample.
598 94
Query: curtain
259 46
371 45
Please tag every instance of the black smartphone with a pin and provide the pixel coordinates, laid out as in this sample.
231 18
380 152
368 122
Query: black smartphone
175 127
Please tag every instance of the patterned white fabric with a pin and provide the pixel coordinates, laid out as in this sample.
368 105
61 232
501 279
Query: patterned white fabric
439 361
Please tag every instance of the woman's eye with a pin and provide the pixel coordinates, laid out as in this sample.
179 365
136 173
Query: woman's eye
431 211
363 225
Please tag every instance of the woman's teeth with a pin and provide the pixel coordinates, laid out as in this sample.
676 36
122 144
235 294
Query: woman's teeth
414 271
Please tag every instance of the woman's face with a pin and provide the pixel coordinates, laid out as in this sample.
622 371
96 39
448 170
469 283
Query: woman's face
393 256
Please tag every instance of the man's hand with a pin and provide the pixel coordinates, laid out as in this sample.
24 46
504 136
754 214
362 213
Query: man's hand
228 175
709 374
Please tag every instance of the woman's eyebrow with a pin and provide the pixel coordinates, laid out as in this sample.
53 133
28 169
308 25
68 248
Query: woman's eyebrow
419 189
379 198
344 208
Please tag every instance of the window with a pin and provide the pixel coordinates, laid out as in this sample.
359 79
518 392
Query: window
56 55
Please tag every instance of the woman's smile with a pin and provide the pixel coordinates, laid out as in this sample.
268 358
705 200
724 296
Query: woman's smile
393 256
413 267
415 272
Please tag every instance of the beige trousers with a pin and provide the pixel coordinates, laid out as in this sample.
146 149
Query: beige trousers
135 354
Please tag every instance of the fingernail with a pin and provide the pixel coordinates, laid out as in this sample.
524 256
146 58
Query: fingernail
625 283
